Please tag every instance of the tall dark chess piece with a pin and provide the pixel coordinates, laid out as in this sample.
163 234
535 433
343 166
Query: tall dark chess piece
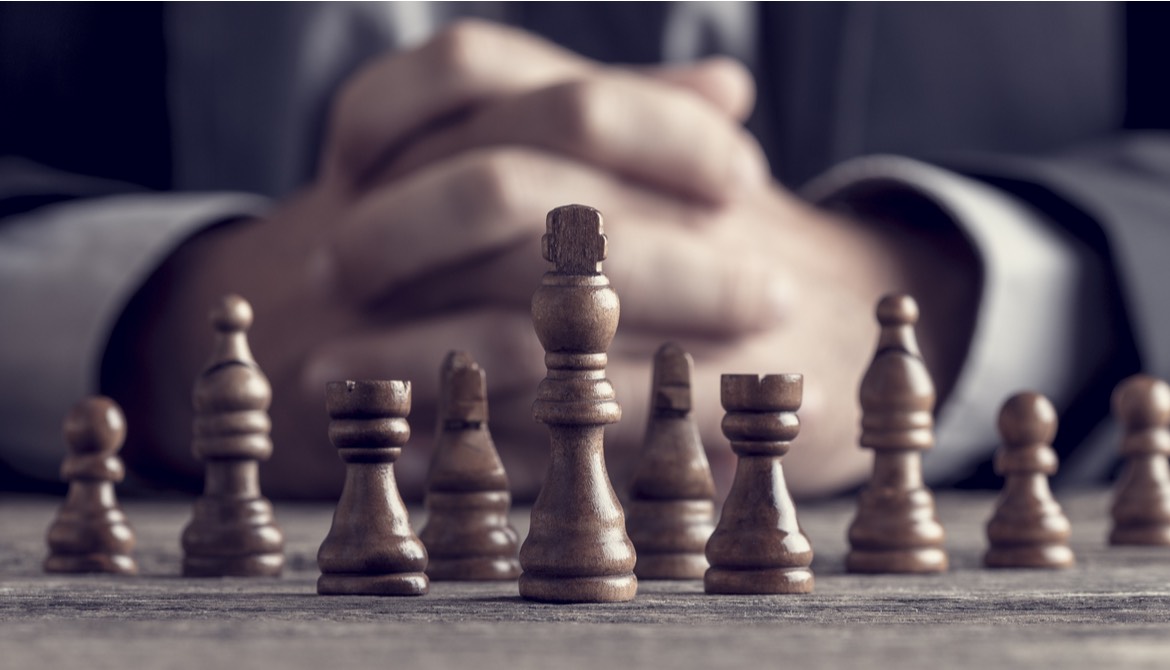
1141 500
672 500
1028 529
90 533
233 531
577 549
468 535
758 546
896 529
371 549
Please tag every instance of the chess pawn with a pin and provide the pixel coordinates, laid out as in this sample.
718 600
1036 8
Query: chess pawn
232 532
896 530
467 535
1141 502
370 549
577 549
1028 529
672 499
90 533
758 546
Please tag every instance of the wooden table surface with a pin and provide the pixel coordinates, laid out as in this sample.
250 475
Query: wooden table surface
1112 610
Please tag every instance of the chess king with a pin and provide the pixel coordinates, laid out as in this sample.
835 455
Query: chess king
577 549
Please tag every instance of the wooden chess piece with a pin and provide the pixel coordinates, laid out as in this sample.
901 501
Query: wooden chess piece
758 546
90 533
1028 529
233 532
671 512
370 549
1141 502
577 549
896 530
467 535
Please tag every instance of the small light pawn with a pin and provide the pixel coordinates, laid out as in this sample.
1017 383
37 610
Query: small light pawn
1141 503
90 533
1028 529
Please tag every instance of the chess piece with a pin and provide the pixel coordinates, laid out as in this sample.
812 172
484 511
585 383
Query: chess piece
467 535
896 530
90 533
758 546
577 549
1028 529
233 532
672 499
1141 502
371 549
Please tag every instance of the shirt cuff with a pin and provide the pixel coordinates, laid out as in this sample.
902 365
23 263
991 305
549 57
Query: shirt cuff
1039 286
66 273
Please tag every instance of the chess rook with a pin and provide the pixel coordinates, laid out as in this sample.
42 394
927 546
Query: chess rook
671 512
1141 502
1028 529
468 535
90 532
370 549
233 531
577 549
896 530
758 546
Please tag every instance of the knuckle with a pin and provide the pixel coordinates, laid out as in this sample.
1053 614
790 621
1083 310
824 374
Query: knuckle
579 111
460 47
488 182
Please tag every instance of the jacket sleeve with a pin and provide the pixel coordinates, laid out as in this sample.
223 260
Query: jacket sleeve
67 269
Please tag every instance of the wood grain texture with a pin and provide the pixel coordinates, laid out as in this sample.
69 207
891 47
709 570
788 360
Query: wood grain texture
1110 610
1141 503
896 529
1029 528
468 535
671 510
758 546
233 531
371 549
577 549
90 532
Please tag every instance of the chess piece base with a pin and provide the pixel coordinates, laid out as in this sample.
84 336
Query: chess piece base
775 581
1035 556
1152 535
115 564
923 560
254 565
401 584
477 569
671 566
606 589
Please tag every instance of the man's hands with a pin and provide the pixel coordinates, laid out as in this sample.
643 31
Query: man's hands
421 234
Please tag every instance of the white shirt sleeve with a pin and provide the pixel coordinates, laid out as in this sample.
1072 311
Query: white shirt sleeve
66 273
1040 285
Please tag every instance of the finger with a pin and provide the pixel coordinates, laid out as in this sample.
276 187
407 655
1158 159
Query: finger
671 280
502 341
655 132
398 96
722 81
476 204
469 61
